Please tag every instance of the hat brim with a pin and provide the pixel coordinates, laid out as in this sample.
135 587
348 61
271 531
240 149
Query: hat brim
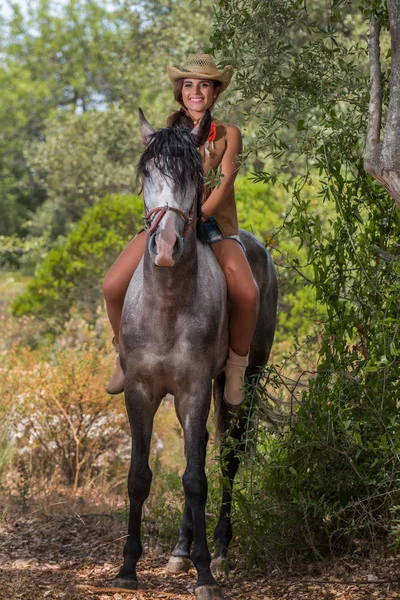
224 76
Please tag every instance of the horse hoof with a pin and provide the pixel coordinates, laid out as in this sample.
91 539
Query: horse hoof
178 564
220 568
208 592
126 584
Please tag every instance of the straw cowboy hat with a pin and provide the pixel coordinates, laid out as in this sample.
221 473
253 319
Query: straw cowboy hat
201 66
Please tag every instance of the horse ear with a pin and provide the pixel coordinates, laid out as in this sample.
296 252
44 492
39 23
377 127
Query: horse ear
202 130
145 128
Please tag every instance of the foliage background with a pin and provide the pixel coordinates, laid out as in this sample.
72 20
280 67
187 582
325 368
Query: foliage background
71 81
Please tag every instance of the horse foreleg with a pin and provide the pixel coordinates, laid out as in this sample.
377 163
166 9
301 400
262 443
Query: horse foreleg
194 480
141 414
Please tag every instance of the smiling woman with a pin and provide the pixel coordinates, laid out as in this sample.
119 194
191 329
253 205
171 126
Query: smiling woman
196 89
197 96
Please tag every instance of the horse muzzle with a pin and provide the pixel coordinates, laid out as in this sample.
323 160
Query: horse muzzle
166 244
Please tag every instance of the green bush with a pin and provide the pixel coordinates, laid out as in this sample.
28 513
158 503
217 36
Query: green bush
263 209
328 484
106 147
260 207
17 252
73 271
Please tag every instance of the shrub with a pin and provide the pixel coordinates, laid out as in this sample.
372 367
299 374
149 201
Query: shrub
82 159
62 422
5 449
328 484
260 207
72 272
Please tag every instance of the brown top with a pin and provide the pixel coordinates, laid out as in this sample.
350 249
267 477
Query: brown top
225 214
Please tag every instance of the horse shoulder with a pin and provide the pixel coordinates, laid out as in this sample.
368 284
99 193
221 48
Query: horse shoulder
211 275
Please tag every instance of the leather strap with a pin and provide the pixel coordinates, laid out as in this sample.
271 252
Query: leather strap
160 211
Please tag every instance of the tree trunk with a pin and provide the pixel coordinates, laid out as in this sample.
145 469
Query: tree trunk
382 160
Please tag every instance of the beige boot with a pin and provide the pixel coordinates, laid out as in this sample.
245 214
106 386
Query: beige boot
235 369
116 383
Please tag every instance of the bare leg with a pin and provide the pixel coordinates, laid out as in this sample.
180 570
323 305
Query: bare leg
118 277
242 292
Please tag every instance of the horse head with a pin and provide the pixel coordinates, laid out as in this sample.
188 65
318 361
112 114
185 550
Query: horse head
172 175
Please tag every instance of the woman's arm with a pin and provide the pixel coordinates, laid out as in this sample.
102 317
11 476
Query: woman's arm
229 170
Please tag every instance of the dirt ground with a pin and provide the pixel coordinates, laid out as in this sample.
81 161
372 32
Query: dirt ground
74 556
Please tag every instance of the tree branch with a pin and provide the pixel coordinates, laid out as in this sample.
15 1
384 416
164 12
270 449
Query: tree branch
386 256
390 146
372 145
382 160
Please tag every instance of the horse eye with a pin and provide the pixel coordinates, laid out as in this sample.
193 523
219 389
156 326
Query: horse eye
145 173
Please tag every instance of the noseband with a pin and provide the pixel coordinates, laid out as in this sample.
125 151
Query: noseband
159 213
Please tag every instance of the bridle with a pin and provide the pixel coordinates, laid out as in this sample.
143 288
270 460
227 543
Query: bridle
159 213
154 152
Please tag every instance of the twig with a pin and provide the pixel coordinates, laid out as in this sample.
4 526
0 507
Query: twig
112 541
386 256
351 582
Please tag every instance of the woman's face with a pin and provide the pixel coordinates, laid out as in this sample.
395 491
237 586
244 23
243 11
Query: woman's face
197 94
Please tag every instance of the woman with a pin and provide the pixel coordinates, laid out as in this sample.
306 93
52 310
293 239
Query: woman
196 89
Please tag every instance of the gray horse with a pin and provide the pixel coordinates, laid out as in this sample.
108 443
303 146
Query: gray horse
174 339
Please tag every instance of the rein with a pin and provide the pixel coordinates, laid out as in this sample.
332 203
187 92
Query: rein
160 211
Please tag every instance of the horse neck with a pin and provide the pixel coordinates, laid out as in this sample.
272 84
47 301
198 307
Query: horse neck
172 282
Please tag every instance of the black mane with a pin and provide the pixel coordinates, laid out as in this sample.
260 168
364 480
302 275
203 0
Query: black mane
174 153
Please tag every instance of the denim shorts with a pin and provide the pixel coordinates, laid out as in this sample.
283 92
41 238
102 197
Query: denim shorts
214 234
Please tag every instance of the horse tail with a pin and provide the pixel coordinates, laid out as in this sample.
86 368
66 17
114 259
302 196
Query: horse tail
220 407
